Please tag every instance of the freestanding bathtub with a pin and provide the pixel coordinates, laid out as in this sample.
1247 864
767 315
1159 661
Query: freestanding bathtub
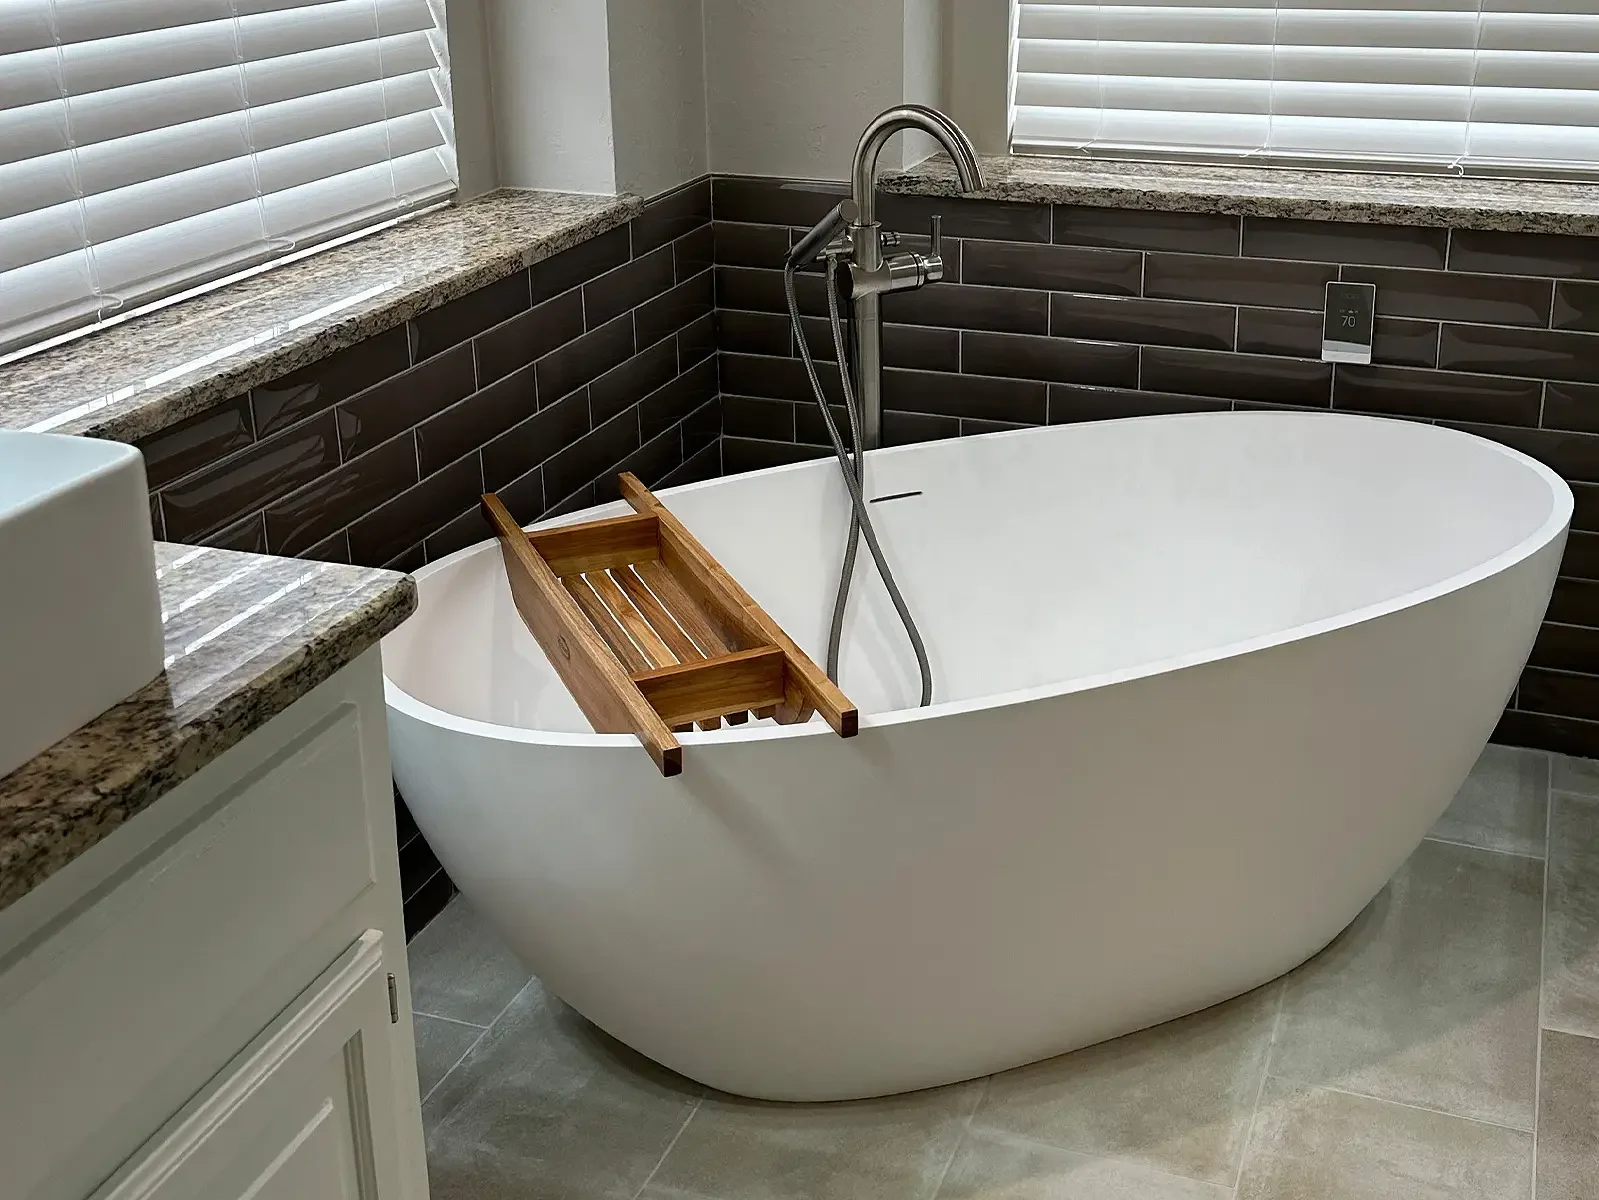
1202 683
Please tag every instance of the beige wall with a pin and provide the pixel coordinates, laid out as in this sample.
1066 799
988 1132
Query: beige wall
657 61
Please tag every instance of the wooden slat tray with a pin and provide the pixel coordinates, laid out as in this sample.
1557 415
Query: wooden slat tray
651 635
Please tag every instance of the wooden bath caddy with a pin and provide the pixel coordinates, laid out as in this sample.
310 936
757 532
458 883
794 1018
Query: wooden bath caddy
651 635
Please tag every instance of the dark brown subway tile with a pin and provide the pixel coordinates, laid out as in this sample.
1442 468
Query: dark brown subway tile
651 462
585 261
574 364
755 290
1563 735
972 427
996 220
1236 376
907 428
1573 455
1455 296
1070 402
335 548
1298 332
1263 282
1566 647
740 454
775 378
673 310
574 501
1538 353
702 427
1585 513
750 245
936 394
1340 242
921 346
390 528
1559 693
469 528
308 515
1134 229
1051 268
1497 253
754 332
628 286
528 336
411 559
1575 602
381 412
627 384
197 442
669 217
774 201
452 323
475 420
1145 322
524 496
668 405
1571 406
748 416
1050 359
810 428
963 306
818 333
1581 559
1576 306
157 526
249 479
531 441
696 341
701 465
248 535
594 454
322 384
1412 392
692 253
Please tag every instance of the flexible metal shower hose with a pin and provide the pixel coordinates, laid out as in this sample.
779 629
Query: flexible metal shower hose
853 469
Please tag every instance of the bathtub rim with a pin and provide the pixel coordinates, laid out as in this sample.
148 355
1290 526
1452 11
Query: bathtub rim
1556 525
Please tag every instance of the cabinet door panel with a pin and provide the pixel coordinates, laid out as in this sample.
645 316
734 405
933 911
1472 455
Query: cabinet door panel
305 1113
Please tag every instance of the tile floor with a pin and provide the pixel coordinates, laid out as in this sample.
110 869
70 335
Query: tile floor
1445 1047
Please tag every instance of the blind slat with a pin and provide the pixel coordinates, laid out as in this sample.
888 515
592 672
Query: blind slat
149 145
1498 84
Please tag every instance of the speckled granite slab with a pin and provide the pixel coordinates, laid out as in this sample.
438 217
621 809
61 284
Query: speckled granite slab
1516 205
131 380
246 637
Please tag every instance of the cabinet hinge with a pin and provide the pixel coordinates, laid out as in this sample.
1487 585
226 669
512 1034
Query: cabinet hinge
394 1001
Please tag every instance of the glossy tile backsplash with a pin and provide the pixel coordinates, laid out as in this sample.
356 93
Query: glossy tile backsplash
1064 313
540 386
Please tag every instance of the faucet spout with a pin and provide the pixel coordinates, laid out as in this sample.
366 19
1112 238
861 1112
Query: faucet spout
910 116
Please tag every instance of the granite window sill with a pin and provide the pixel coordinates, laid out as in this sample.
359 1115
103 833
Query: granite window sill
134 379
1512 205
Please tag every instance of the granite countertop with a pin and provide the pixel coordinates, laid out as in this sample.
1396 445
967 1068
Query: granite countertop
131 380
1461 202
246 636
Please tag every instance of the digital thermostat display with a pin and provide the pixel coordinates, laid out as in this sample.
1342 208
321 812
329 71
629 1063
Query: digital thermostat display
1346 329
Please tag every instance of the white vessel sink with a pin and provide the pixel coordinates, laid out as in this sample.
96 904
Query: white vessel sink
80 617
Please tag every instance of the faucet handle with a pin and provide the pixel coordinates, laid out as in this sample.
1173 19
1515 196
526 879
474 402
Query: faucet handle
936 249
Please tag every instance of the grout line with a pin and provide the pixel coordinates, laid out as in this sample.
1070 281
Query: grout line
1543 969
418 1012
1265 1074
670 1146
1437 1112
1485 849
477 1041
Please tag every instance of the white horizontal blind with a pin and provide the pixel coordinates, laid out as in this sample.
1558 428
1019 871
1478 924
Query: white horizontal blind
1497 86
150 145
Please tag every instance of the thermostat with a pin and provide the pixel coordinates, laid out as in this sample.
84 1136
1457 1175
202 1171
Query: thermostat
1347 324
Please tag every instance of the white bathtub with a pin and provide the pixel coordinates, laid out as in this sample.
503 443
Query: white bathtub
1202 683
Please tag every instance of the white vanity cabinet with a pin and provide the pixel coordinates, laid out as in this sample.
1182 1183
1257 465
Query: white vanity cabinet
212 1002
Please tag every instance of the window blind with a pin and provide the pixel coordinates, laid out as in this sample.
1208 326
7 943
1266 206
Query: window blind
1496 86
147 146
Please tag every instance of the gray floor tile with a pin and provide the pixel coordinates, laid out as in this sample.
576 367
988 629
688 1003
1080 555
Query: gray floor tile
896 1148
1571 935
991 1166
1502 804
1568 1118
439 1046
1177 1098
1431 996
1579 775
548 1106
460 968
1315 1144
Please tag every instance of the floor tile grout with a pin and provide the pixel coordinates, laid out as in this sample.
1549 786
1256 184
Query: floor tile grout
1260 1089
1437 1112
655 1170
1488 849
1022 1139
477 1041
1543 971
966 1129
418 1012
